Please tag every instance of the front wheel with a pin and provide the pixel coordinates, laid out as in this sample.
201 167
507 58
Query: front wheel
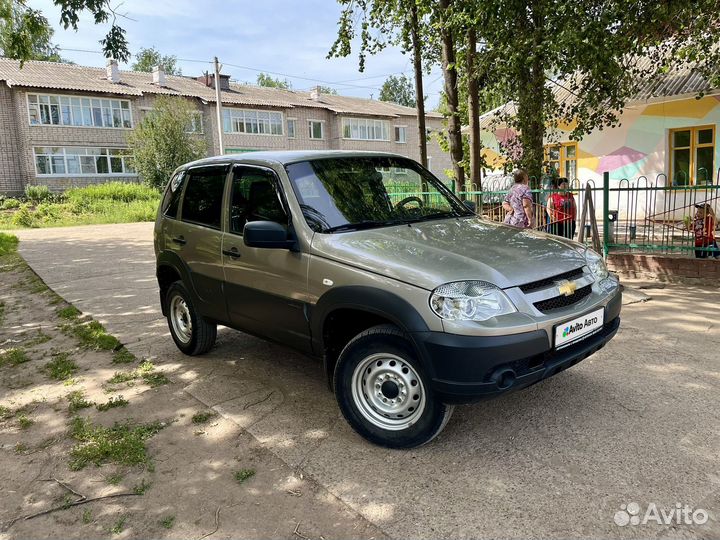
383 392
192 334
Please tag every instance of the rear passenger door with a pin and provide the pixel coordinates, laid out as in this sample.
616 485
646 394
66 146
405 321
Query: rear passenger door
265 288
198 237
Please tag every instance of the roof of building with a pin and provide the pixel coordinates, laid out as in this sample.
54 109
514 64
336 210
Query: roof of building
71 77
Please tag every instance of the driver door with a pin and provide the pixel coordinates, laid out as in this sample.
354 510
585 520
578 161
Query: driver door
264 288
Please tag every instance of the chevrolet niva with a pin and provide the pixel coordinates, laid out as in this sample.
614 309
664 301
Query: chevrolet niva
368 262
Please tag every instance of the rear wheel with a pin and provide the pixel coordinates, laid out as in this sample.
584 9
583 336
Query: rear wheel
383 392
192 334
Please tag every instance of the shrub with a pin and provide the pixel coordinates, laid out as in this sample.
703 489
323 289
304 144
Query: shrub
8 243
37 193
25 217
10 204
111 191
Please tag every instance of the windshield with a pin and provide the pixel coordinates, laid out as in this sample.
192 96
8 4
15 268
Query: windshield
353 193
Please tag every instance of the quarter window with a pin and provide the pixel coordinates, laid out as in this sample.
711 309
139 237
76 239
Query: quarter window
253 122
52 110
202 202
80 161
692 154
171 201
316 129
254 198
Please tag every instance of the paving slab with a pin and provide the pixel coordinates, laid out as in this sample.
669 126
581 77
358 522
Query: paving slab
637 422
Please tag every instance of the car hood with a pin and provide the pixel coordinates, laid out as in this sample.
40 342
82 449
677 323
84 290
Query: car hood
435 252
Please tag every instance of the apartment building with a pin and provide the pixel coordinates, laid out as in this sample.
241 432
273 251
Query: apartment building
64 125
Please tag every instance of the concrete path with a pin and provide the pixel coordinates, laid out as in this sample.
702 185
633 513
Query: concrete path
638 422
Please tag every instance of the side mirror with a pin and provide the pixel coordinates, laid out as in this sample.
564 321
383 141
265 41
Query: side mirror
470 205
266 234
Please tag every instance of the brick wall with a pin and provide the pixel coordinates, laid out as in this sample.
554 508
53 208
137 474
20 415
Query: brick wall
11 172
665 268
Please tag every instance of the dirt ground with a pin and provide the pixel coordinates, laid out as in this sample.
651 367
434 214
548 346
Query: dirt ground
190 484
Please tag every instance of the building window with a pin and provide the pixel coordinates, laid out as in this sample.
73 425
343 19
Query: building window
77 161
291 128
692 153
196 123
253 122
51 110
563 158
316 129
366 129
400 134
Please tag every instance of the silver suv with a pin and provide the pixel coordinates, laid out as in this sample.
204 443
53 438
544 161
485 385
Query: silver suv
369 263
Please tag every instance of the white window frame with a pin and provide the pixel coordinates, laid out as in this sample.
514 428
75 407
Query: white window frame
245 115
294 122
82 108
363 125
64 154
312 121
404 132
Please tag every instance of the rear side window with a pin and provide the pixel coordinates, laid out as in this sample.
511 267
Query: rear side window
202 203
171 201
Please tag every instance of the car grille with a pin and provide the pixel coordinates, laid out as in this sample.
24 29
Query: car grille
547 282
563 301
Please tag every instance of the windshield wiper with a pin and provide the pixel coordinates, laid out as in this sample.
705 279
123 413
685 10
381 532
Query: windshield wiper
436 215
361 225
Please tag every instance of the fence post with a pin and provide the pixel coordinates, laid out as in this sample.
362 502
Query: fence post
606 213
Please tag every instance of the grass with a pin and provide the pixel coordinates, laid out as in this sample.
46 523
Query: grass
142 487
123 356
92 335
168 522
115 479
202 417
14 357
24 422
8 244
69 312
111 202
145 371
112 403
39 339
2 312
118 526
87 517
122 377
123 443
61 368
77 401
243 474
6 412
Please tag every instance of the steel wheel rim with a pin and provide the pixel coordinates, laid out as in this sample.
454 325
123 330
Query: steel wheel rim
181 319
388 392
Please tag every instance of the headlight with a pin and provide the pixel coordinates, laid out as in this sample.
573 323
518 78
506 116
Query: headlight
470 301
596 264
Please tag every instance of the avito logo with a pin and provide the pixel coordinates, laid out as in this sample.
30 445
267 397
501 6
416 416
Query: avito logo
571 329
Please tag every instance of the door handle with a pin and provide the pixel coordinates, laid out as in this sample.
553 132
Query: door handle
180 240
234 253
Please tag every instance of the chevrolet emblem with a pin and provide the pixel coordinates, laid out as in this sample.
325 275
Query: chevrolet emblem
566 288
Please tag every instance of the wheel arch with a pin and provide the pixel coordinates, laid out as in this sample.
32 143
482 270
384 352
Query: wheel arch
170 268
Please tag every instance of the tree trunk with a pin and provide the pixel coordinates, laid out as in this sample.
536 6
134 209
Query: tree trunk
474 112
451 94
419 94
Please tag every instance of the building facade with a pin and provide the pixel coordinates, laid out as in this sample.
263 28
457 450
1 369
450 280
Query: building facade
63 125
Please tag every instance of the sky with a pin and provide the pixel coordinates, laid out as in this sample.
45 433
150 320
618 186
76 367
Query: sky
290 38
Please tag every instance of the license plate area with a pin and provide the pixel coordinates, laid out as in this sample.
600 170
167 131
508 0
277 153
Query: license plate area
579 328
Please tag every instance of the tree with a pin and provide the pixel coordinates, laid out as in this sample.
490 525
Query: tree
326 90
398 89
25 28
161 141
40 43
147 59
263 79
396 22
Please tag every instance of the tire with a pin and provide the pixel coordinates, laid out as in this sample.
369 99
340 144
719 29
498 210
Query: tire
402 411
195 338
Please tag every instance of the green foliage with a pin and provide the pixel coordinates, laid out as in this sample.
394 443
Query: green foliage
62 367
112 403
142 487
123 356
76 401
8 244
87 517
24 217
14 357
264 79
118 526
243 474
202 417
326 90
123 376
10 204
92 335
123 444
398 89
119 192
161 143
37 194
24 422
147 59
69 312
168 522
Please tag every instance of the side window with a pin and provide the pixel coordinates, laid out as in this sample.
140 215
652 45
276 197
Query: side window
202 203
171 201
254 198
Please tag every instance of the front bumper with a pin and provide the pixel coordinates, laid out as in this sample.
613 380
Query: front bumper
464 369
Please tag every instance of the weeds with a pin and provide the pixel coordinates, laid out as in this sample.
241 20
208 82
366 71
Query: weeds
118 526
14 357
145 371
77 401
122 376
21 448
122 443
61 368
113 402
92 335
168 522
202 417
87 517
8 244
114 479
244 474
37 193
24 422
69 312
39 339
142 487
123 356
6 412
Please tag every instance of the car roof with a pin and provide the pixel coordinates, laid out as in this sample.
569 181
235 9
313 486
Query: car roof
284 157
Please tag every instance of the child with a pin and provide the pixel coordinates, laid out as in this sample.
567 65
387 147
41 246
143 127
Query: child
704 225
562 210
